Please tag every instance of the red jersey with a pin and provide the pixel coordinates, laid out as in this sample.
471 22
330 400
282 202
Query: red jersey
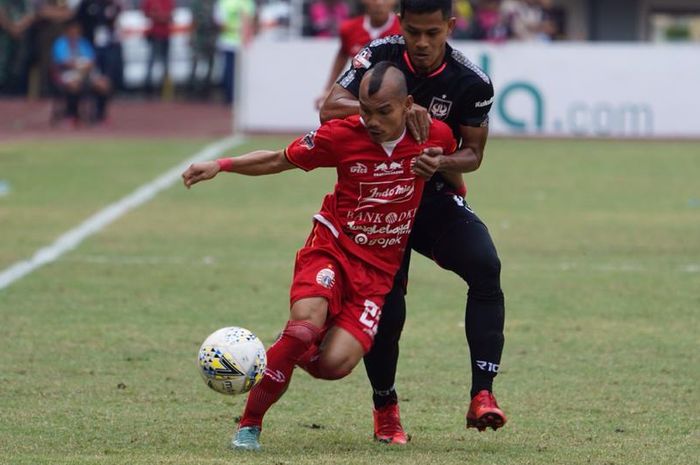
357 32
375 199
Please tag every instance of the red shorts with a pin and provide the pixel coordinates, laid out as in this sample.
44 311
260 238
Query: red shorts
354 289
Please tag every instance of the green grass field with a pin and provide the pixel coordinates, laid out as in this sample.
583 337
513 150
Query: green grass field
600 244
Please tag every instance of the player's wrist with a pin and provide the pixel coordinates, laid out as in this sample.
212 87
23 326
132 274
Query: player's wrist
225 164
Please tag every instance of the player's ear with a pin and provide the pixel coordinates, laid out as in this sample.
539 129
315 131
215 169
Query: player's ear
451 25
409 102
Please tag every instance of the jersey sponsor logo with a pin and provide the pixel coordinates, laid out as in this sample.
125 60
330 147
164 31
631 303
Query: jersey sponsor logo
439 108
483 103
386 169
326 277
373 229
308 140
362 59
376 217
382 193
358 168
361 239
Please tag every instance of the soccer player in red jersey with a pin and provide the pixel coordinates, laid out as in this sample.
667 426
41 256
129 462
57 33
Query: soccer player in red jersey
359 237
378 21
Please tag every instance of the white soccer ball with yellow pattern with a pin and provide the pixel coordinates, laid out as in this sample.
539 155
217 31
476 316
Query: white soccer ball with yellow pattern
232 360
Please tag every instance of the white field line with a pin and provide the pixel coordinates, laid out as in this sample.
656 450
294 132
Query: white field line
71 239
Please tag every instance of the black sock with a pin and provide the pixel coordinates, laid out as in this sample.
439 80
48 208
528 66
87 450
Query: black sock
484 321
381 362
384 398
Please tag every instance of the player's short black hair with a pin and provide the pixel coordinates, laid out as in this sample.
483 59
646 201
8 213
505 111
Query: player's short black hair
426 6
376 78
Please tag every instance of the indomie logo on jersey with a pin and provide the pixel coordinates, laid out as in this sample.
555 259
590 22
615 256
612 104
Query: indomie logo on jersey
382 193
308 140
439 108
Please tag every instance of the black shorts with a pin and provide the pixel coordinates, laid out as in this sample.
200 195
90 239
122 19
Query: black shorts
438 217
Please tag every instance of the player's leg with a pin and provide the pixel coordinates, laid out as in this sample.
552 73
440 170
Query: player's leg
339 354
466 248
382 360
307 317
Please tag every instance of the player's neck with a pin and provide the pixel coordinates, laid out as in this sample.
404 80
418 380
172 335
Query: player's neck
377 22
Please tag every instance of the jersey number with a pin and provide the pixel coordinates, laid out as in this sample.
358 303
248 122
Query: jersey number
370 317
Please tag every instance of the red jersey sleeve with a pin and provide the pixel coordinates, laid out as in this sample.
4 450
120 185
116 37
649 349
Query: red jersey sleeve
441 136
314 150
345 34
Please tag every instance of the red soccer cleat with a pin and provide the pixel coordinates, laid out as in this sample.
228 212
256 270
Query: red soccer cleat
387 425
484 412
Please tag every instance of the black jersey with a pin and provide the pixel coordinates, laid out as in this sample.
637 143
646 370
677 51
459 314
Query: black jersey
458 92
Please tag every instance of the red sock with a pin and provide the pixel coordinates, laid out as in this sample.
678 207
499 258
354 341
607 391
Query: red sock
295 340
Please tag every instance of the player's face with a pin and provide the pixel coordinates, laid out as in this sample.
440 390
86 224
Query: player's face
425 35
383 113
379 9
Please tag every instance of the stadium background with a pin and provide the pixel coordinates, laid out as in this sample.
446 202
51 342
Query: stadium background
598 231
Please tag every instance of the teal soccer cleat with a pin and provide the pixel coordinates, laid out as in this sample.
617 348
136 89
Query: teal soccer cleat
247 438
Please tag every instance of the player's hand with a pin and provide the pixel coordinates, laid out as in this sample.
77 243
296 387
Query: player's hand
427 163
200 172
418 121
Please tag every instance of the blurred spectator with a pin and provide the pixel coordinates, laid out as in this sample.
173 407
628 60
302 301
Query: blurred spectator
489 23
15 20
378 21
75 74
98 19
464 14
326 16
205 32
235 19
526 20
160 14
50 18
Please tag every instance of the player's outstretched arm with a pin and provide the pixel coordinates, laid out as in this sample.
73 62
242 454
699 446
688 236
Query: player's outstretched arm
255 163
339 104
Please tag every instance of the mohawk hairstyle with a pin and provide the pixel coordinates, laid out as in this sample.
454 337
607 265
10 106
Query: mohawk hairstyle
427 6
376 78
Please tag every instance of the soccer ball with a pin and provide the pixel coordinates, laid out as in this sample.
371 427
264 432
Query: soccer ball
232 360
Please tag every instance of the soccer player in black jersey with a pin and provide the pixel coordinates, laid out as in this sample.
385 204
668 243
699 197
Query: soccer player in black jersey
447 86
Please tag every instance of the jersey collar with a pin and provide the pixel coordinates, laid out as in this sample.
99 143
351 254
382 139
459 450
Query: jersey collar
376 32
440 69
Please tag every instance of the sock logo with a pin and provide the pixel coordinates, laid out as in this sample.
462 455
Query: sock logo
487 366
276 375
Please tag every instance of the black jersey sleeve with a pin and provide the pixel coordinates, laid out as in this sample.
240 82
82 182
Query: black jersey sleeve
476 103
377 50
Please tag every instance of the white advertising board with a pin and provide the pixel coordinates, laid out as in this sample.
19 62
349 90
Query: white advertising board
568 89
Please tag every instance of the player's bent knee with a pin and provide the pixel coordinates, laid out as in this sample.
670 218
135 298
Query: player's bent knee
333 368
312 309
